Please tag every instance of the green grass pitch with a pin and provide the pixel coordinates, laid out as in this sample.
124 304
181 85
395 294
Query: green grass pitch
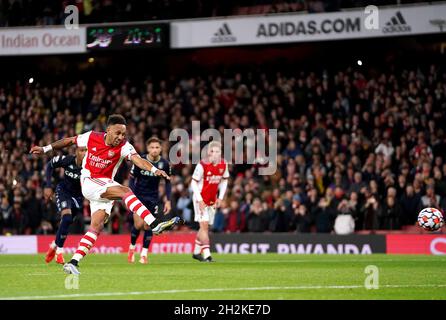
234 277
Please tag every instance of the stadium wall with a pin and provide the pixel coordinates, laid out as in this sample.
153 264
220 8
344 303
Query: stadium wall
282 243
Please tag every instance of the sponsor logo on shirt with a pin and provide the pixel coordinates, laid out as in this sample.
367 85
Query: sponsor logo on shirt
213 179
98 162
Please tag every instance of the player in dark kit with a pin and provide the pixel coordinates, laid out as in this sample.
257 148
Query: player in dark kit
145 185
68 197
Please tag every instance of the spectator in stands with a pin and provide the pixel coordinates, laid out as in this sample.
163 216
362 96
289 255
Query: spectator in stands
369 210
410 206
357 184
281 216
6 218
219 221
184 204
257 220
385 147
33 210
325 213
390 214
17 218
301 220
235 219
430 199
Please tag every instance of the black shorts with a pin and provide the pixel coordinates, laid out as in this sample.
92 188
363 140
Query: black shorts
151 204
65 200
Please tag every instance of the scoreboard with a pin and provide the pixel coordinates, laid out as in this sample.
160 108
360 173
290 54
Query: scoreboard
122 37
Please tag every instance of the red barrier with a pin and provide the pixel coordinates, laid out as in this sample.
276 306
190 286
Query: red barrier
184 242
416 244
108 244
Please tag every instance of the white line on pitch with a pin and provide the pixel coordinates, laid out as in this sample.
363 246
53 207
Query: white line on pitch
136 293
222 260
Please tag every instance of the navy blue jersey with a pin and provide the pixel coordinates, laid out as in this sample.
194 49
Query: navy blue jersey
145 184
71 182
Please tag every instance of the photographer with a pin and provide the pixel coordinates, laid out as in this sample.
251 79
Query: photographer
390 214
257 220
280 218
301 219
325 213
370 210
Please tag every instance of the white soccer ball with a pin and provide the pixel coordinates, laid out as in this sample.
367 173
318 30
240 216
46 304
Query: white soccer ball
430 219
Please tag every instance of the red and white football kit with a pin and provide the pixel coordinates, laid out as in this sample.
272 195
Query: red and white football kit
99 167
208 177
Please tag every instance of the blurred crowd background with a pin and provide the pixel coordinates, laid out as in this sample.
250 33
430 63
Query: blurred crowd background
361 144
351 142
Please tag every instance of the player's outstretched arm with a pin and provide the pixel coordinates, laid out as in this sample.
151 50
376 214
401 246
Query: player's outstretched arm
146 165
59 144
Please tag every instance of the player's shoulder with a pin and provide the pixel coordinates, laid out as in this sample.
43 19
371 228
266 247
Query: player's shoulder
127 145
165 161
70 158
60 158
96 136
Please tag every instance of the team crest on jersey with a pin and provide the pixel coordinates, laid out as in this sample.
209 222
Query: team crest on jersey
160 166
220 170
111 154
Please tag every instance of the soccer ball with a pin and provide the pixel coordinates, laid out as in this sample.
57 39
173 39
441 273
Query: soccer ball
430 219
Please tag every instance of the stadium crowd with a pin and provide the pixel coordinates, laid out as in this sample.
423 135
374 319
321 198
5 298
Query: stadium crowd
350 143
38 12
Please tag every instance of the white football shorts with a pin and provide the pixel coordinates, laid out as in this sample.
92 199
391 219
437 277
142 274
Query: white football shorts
92 188
206 215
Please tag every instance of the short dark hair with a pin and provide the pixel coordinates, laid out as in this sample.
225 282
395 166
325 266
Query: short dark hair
153 139
116 119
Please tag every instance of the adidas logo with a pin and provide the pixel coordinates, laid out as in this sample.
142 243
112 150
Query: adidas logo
223 34
440 23
93 149
397 24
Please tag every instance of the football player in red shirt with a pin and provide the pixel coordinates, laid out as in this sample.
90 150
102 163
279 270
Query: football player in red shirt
209 175
105 153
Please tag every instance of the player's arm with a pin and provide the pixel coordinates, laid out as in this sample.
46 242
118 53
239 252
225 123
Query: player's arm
222 187
55 162
196 177
168 204
80 140
59 144
132 178
48 190
146 165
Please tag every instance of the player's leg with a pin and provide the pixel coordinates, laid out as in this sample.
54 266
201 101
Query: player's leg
205 218
135 205
98 218
199 217
138 225
56 246
148 233
64 204
203 237
62 234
